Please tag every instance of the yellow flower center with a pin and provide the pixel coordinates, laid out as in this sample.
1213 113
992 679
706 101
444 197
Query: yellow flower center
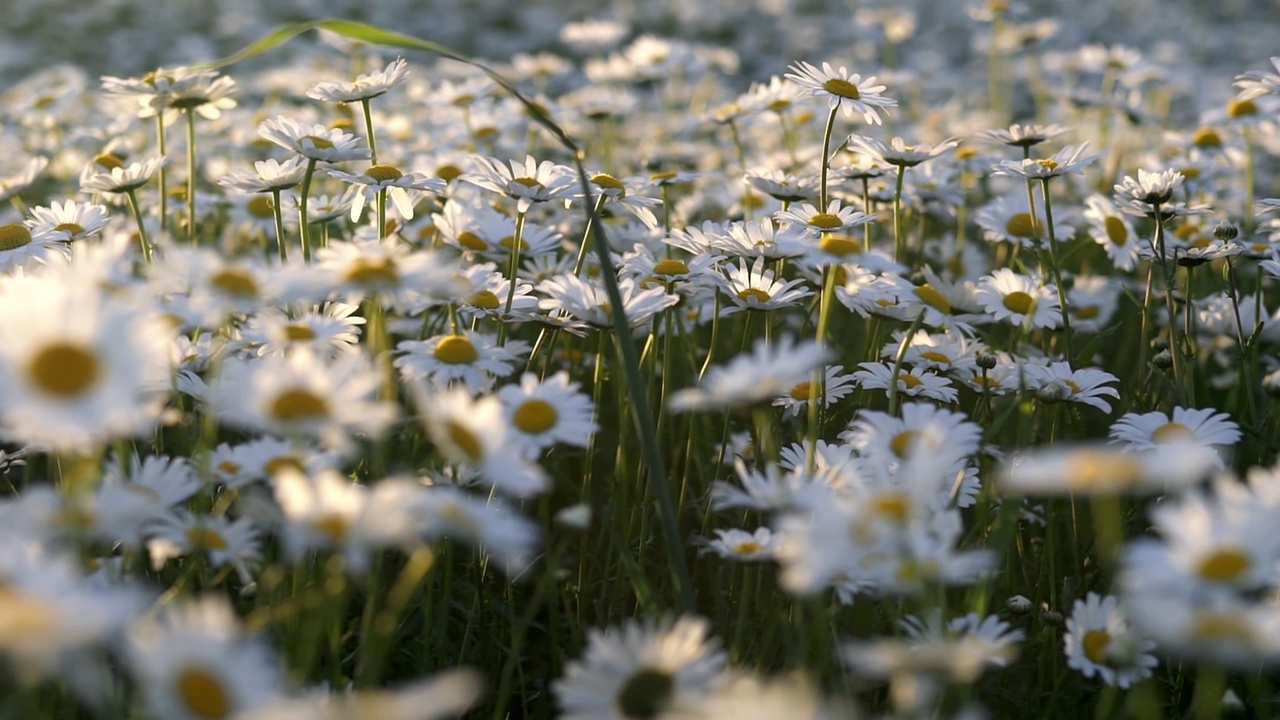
609 182
936 356
535 416
332 525
456 350
748 294
663 176
448 173
1206 137
747 547
316 142
826 221
64 370
911 381
373 271
1048 164
235 282
1117 232
1219 626
108 161
1224 564
670 267
471 241
463 438
298 404
802 391
842 88
509 242
281 463
344 124
1190 173
14 236
1022 226
383 173
70 228
1095 644
1100 469
902 443
1171 432
1019 302
485 300
892 506
206 538
203 694
261 206
1088 312
647 694
527 182
839 245
1241 108
934 299
297 332
228 467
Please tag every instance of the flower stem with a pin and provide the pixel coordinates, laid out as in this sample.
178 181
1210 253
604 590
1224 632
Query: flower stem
191 177
279 218
160 174
513 272
368 129
826 157
142 228
897 215
304 228
1054 263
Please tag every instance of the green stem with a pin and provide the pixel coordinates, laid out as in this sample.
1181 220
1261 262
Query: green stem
897 215
513 273
1054 267
142 228
191 177
279 218
826 157
161 143
304 226
368 129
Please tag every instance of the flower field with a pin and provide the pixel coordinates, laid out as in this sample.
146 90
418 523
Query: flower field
643 373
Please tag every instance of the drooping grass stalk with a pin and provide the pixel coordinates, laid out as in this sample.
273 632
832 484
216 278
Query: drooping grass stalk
304 225
1055 262
191 176
142 228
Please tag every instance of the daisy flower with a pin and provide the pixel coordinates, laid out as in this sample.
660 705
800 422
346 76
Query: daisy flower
266 176
327 331
264 458
1205 427
836 218
527 183
225 542
743 546
491 524
916 382
1086 385
299 396
1093 300
473 432
1113 230
475 359
193 662
20 245
898 153
1019 299
1067 161
1098 641
77 368
1023 136
850 92
756 238
780 185
626 194
645 670
767 372
755 288
588 302
388 178
836 384
313 142
1092 469
1140 196
390 270
121 178
73 220
174 89
1008 218
1256 83
544 413
366 86
949 437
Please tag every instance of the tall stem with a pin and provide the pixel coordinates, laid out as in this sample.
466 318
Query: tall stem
368 130
513 273
1055 269
304 226
161 144
279 218
898 242
191 176
142 228
826 158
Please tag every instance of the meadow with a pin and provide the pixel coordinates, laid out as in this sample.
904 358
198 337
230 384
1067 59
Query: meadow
642 376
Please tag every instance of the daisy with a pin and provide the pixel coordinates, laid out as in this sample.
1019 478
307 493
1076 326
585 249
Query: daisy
1098 641
922 430
1113 230
193 662
850 92
73 220
897 153
1256 83
20 245
756 289
1092 469
299 396
589 302
366 86
263 459
174 89
1067 161
313 142
626 194
449 693
473 433
756 238
687 276
544 413
768 371
77 368
1093 300
836 218
328 331
1023 136
475 359
387 178
916 382
489 290
267 176
527 183
390 270
225 542
120 179
645 670
835 384
1019 299
743 546
1204 427
781 186
1141 196
491 524
1008 218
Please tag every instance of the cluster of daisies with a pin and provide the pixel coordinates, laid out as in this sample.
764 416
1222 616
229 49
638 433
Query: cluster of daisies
246 330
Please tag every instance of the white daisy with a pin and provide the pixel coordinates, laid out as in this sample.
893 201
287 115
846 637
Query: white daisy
1098 641
544 413
475 359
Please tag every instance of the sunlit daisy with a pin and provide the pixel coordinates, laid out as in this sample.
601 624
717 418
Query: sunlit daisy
544 413
842 89
73 220
366 86
475 359
527 183
768 371
1020 300
916 382
313 142
389 179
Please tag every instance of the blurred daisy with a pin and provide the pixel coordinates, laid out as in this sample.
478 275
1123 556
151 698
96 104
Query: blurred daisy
119 179
1020 300
589 302
1092 469
743 546
1098 641
767 372
1023 136
898 153
21 245
72 220
1256 83
645 670
266 176
841 89
475 359
1070 160
916 382
327 331
225 542
545 413
836 385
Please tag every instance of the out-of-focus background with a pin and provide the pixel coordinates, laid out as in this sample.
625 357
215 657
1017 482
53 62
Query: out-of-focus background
130 37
